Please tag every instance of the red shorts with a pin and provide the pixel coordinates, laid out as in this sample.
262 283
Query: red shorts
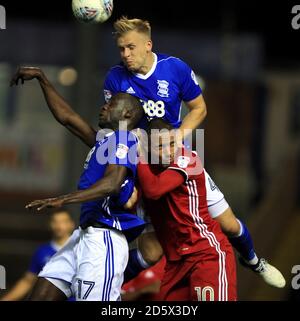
207 276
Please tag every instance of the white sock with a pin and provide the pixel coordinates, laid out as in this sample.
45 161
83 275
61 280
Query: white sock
241 228
253 261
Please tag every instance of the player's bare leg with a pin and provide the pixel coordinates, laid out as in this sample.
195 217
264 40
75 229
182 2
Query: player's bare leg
229 223
150 248
240 238
44 290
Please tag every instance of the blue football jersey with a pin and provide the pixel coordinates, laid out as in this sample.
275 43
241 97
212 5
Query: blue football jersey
162 90
119 148
41 256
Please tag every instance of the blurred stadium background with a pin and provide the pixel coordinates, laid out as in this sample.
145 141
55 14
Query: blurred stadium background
247 57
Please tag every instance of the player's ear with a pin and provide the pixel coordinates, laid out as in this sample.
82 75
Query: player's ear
149 45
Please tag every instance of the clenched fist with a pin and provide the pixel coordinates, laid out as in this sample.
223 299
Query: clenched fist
26 73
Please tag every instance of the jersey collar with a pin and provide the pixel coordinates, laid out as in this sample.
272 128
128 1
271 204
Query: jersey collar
150 72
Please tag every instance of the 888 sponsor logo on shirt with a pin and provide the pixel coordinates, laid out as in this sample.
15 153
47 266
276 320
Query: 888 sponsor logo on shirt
154 109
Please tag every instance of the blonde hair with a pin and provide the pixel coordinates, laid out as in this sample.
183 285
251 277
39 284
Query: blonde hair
124 25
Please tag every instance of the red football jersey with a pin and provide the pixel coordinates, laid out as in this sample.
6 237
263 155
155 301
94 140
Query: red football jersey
180 217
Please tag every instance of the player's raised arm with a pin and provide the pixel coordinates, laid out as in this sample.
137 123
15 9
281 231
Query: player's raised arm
109 185
60 109
196 115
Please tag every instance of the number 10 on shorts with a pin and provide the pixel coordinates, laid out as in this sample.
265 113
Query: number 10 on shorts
205 294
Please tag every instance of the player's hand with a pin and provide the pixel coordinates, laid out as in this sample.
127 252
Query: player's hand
25 73
132 200
45 203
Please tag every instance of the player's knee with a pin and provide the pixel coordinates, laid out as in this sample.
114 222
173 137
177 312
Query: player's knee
231 229
153 255
150 248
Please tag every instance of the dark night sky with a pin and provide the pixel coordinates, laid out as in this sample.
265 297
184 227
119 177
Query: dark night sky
271 20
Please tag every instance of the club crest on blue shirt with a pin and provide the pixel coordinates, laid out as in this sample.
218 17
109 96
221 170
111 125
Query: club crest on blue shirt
163 88
107 95
122 151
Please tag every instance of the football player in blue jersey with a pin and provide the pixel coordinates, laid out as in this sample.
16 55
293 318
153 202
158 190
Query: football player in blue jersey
162 83
91 265
61 226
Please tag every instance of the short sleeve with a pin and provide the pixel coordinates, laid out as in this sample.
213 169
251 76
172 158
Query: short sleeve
111 84
122 150
189 86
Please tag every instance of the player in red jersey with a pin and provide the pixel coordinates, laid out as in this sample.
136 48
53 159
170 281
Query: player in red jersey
200 260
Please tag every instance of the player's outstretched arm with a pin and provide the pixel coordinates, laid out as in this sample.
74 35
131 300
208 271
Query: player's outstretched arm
60 109
110 184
